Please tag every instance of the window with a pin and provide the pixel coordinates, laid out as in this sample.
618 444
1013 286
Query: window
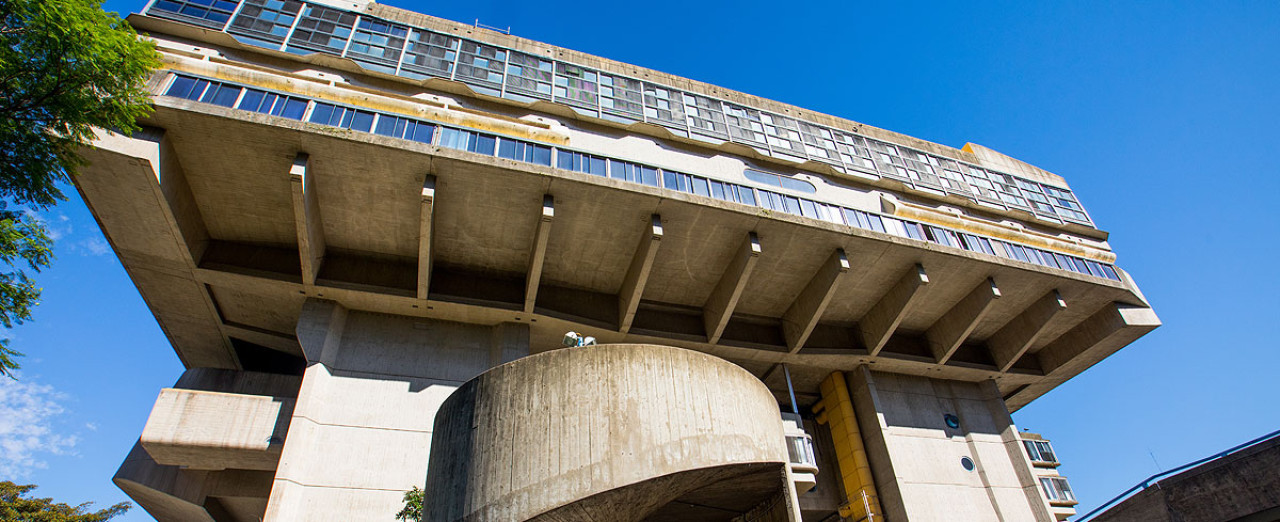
769 178
1057 490
429 54
322 29
468 141
209 13
187 87
579 162
1040 451
221 95
272 103
482 66
522 151
575 86
266 20
347 118
378 44
622 97
217 93
705 116
404 128
529 75
800 451
664 107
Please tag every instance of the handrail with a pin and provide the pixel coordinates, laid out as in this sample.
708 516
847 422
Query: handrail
1146 483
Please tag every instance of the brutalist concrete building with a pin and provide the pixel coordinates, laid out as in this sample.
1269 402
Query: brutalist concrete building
370 234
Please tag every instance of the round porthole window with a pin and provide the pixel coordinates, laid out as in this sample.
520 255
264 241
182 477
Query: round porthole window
952 421
967 463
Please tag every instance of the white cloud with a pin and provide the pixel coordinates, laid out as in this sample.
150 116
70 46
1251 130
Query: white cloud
96 246
27 411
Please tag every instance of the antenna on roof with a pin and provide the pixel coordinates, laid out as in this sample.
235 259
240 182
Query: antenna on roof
492 28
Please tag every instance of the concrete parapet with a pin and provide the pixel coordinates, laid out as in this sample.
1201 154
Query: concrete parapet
631 431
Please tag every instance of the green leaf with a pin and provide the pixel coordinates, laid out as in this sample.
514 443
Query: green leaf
66 68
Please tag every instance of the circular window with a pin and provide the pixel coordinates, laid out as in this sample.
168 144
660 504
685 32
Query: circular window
967 463
952 421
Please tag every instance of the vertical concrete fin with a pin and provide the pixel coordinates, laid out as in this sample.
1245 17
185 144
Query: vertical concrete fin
885 316
1016 337
306 216
803 314
538 252
319 330
638 273
724 298
836 412
175 192
951 330
426 223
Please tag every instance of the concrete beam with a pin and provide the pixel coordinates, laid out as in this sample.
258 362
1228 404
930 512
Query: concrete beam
724 298
273 340
804 312
951 330
306 216
426 224
1015 338
1102 334
638 273
538 253
883 318
320 327
1103 327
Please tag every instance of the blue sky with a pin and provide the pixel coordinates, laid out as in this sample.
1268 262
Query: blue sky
1164 121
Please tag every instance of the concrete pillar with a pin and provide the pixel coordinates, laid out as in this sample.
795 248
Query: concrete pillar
361 431
916 455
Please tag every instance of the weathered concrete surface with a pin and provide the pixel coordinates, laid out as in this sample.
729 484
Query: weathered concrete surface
210 420
618 429
362 427
173 493
213 431
482 228
916 457
1241 487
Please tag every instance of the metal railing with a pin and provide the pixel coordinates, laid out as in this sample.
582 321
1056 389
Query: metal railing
1149 480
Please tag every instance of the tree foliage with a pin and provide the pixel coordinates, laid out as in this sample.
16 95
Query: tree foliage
66 66
412 511
15 507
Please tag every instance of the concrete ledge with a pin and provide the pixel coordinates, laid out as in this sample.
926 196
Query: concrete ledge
212 431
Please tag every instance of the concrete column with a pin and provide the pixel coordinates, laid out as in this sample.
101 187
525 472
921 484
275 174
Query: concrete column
362 428
917 457
426 231
538 252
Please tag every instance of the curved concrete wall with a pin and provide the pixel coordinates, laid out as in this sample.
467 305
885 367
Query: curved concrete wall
552 429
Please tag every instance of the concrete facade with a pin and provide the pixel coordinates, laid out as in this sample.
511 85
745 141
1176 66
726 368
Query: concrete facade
918 459
334 242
